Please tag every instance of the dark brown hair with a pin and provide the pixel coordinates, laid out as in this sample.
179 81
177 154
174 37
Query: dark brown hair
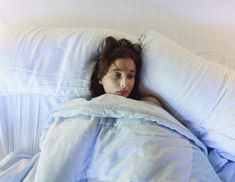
113 50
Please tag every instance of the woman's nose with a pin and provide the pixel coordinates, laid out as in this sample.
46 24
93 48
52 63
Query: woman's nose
123 83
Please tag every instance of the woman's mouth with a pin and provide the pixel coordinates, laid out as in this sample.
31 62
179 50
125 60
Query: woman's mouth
122 92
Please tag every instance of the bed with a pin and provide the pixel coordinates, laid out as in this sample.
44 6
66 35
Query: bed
51 131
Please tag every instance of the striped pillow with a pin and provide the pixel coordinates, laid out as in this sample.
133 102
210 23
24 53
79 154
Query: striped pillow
52 61
201 94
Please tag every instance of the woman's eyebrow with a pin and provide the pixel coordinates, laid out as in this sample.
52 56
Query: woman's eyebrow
118 69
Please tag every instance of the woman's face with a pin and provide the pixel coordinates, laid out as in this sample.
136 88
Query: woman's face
120 77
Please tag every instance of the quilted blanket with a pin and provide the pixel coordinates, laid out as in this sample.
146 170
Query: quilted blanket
112 138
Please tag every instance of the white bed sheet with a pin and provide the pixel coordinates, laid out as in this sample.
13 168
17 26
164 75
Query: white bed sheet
21 119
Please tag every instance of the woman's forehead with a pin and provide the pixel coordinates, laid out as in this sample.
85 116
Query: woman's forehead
123 64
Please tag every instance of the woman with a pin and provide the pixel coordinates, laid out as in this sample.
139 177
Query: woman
117 70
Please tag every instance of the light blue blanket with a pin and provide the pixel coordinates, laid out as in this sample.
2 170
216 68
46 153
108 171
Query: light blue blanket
112 138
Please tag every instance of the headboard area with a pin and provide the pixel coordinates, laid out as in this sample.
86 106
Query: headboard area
205 27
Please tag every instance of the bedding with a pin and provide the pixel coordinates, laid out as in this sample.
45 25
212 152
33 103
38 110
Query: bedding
38 71
21 120
40 67
207 28
112 138
200 93
59 62
50 74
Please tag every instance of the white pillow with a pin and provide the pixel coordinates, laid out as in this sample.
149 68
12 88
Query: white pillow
48 60
198 92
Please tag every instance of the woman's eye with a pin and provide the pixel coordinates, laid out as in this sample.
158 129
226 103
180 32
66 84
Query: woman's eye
131 76
116 75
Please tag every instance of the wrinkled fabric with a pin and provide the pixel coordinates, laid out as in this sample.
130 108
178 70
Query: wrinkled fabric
112 138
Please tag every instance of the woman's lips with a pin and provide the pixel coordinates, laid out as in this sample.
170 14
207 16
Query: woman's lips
122 92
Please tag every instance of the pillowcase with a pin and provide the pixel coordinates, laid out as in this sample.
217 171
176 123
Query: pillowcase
201 94
48 60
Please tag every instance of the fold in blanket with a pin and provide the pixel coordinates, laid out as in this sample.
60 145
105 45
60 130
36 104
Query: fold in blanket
112 138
